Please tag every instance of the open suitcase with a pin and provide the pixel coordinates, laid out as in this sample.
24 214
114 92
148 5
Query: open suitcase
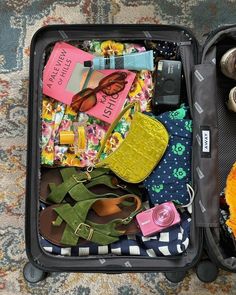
206 90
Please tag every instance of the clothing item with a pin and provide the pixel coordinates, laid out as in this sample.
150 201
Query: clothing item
172 241
168 181
163 49
230 193
110 47
52 114
227 239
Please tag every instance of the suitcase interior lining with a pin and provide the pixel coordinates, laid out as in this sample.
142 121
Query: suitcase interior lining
183 91
226 119
226 137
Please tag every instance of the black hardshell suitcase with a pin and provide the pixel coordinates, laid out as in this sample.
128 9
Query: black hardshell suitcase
204 114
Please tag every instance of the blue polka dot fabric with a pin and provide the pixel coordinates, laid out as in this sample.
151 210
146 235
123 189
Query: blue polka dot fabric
168 180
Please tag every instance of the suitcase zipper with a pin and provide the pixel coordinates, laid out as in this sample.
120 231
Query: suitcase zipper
210 37
215 31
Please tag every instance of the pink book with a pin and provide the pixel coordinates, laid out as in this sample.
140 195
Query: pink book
64 75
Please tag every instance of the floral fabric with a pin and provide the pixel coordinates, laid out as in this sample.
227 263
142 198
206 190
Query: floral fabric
64 155
52 114
110 47
57 117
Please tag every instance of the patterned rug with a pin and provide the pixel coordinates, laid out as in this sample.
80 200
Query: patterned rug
19 19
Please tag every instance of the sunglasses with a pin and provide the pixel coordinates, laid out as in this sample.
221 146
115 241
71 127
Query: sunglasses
109 85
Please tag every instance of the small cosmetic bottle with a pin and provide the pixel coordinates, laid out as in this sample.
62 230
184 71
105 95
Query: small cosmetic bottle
77 138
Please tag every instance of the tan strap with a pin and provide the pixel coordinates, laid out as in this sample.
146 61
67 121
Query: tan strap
106 207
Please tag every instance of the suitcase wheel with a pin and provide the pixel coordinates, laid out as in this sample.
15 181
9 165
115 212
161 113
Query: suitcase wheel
175 277
207 271
33 274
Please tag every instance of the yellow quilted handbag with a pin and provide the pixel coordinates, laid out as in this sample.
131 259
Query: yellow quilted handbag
140 151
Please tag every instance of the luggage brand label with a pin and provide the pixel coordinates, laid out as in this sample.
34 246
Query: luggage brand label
206 142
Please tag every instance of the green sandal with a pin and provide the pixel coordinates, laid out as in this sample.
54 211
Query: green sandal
66 225
79 185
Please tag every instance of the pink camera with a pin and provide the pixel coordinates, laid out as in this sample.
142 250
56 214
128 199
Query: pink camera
157 219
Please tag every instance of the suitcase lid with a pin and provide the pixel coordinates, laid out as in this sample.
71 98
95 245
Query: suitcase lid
210 91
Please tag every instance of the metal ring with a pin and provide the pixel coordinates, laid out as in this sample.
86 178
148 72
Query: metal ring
90 169
78 180
88 175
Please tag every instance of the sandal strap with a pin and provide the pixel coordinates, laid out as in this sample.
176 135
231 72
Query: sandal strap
78 225
81 192
86 232
78 184
105 179
66 173
71 178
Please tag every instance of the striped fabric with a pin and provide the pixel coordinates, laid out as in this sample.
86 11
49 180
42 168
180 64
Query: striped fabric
172 241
